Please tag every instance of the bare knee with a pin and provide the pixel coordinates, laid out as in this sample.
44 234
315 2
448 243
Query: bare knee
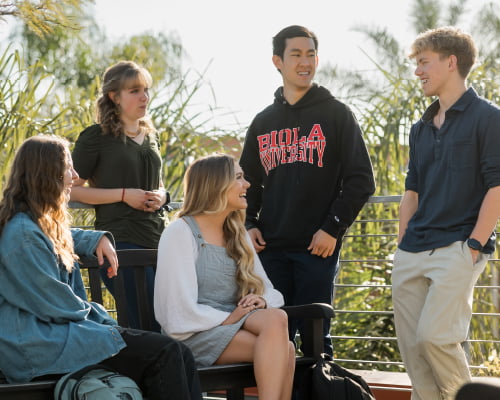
268 322
277 319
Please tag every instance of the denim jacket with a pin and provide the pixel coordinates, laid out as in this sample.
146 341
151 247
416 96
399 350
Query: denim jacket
47 326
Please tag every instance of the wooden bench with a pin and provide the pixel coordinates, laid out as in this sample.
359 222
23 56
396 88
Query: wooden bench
231 378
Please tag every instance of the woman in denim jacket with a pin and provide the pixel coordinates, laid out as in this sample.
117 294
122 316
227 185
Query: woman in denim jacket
48 326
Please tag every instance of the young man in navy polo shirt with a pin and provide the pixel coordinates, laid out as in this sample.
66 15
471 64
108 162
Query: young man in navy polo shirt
447 215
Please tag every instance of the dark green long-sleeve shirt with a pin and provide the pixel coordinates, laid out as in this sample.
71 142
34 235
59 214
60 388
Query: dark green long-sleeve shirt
109 162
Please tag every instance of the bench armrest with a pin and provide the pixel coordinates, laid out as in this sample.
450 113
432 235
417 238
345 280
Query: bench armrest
313 310
135 259
313 316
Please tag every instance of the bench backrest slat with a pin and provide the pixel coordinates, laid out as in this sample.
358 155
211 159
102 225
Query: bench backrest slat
134 262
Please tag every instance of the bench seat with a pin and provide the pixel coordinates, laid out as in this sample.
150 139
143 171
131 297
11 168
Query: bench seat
232 378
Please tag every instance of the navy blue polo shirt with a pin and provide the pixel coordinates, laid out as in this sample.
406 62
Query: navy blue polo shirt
451 169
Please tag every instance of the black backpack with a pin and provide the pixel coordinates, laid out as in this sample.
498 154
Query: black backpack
329 381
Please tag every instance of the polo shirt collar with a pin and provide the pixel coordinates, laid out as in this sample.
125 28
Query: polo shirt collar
460 105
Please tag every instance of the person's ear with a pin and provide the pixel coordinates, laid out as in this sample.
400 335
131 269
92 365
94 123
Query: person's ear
113 96
278 62
452 61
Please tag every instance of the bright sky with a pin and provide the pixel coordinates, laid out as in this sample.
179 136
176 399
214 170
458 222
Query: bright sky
233 38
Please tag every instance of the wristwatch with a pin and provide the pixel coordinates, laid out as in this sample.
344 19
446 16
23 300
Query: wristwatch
474 244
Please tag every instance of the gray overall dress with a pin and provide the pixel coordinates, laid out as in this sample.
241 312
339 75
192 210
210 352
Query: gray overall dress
216 274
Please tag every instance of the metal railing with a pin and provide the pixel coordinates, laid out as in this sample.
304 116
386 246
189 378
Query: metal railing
485 310
352 278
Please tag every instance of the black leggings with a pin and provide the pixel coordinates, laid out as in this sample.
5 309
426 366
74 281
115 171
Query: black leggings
163 368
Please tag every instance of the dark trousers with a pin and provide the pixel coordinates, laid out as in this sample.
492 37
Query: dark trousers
302 279
163 368
129 282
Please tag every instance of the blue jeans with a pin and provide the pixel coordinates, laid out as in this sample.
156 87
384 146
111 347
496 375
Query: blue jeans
302 278
128 278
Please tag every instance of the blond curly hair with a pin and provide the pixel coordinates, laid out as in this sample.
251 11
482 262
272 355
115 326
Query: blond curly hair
206 183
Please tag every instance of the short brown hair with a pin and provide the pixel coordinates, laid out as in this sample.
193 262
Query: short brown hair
448 41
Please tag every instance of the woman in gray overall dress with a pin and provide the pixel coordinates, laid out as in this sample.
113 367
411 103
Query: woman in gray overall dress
211 291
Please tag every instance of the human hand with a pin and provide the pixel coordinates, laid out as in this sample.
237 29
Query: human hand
154 200
238 313
257 239
253 300
322 244
105 249
136 198
474 254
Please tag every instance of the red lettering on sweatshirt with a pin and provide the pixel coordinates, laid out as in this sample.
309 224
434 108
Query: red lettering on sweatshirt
285 147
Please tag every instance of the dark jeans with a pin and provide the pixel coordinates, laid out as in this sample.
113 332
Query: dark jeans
128 278
163 368
302 279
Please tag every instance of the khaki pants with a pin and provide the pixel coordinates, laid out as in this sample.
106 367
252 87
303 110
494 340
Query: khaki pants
432 298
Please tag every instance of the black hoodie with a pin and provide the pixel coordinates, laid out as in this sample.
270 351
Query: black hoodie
308 168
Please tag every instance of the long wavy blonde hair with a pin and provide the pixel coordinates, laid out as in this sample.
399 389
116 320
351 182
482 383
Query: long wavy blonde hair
206 183
122 75
36 187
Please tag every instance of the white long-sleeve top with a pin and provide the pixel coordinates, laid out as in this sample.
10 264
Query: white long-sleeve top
176 286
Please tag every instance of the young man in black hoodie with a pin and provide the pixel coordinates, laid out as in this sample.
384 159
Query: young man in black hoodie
310 175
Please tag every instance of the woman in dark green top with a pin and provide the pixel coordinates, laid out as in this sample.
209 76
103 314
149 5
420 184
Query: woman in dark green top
119 164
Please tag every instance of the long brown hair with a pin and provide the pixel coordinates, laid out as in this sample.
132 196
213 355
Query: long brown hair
122 75
36 187
206 183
